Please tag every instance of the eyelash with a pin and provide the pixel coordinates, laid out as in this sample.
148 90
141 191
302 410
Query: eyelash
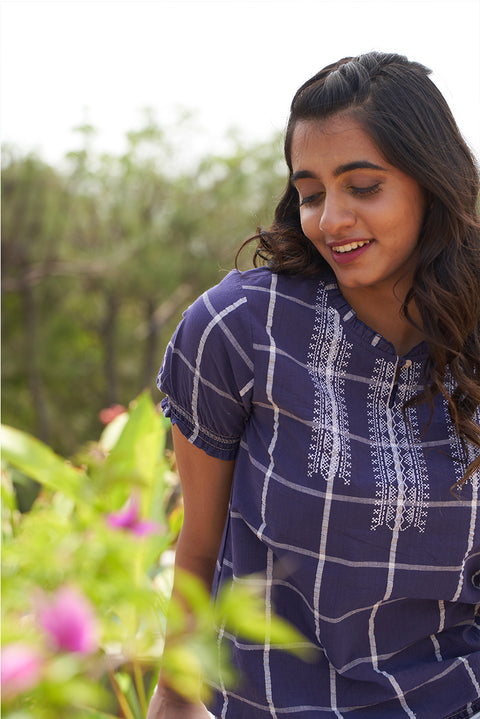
366 191
360 192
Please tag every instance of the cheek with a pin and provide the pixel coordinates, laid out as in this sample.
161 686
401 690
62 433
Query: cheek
412 223
404 219
309 224
414 204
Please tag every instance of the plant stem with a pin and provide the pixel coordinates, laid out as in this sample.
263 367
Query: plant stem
121 698
137 672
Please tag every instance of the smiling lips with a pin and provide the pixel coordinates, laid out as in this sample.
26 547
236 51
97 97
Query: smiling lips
355 245
348 252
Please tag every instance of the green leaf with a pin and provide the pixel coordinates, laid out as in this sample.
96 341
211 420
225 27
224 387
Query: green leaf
9 499
113 431
193 592
242 610
124 681
40 462
183 668
134 456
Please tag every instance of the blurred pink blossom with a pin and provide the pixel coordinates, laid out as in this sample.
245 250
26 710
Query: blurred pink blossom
21 669
108 414
129 518
70 621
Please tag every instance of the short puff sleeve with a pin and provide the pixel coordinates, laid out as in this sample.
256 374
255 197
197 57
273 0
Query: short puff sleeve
207 371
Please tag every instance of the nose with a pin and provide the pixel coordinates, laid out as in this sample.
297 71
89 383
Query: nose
336 216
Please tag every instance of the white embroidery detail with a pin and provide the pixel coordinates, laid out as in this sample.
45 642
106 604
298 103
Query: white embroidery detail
458 451
328 356
398 462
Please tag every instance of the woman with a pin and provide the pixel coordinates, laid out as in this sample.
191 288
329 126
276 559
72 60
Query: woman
325 411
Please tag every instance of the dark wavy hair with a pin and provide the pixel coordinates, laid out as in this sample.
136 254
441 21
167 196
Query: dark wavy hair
402 110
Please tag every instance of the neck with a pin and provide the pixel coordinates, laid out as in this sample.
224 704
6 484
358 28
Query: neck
383 313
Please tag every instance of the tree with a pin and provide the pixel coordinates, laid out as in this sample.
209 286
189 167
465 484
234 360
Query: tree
101 256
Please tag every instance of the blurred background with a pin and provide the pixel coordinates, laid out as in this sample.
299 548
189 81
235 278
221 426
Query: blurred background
141 144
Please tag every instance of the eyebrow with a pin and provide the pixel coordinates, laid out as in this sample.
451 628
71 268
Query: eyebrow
340 170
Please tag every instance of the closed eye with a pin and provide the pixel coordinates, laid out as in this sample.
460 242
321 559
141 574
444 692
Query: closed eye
311 199
365 191
360 192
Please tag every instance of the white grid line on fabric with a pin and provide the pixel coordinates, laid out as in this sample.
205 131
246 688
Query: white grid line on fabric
250 647
471 537
271 448
204 381
441 607
343 709
201 347
431 444
320 566
226 331
253 647
333 692
441 625
470 673
268 389
266 646
436 646
284 413
251 580
246 388
348 498
340 374
281 295
222 687
348 562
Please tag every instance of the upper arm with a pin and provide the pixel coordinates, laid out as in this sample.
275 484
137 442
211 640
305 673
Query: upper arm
206 484
208 369
207 377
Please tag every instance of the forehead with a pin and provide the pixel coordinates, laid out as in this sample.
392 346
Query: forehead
327 143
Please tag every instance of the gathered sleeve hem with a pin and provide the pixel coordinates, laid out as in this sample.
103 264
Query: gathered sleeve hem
213 444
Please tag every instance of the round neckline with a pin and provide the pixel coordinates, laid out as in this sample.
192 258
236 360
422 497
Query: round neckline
363 331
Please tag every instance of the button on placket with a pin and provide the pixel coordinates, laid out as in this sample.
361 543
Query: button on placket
394 383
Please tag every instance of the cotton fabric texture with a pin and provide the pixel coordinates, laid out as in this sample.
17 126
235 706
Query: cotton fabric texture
341 505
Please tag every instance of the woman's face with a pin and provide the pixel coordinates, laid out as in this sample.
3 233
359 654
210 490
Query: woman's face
362 214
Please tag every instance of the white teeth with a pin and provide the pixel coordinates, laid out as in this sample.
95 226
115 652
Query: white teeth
352 246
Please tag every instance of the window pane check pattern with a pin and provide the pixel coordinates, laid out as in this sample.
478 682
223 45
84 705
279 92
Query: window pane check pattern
341 511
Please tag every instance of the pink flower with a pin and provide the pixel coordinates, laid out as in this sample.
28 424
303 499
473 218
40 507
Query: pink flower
21 669
70 621
108 414
129 518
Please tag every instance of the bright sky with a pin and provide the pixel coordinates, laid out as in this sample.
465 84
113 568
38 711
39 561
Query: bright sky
234 63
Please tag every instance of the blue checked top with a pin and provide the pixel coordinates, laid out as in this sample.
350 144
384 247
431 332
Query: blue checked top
341 503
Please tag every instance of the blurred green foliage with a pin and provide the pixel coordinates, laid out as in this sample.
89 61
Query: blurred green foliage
87 575
65 540
101 256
